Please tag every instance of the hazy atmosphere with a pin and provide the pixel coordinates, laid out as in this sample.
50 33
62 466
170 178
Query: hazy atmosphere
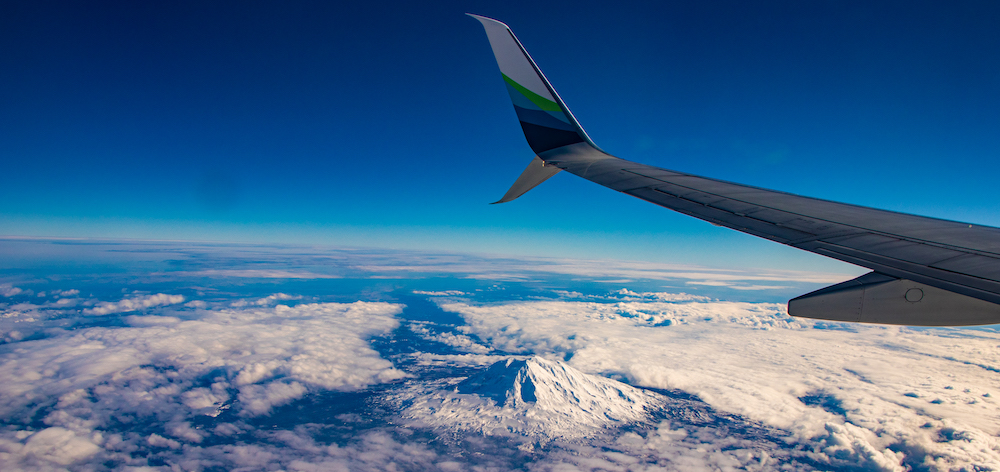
388 125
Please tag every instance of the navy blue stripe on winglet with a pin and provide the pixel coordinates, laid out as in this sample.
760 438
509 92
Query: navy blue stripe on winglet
543 138
542 118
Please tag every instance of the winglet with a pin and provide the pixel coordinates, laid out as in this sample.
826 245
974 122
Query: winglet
545 119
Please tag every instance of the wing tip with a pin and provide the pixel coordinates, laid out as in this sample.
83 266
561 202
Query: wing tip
482 18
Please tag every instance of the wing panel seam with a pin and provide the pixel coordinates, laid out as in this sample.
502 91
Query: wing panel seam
817 237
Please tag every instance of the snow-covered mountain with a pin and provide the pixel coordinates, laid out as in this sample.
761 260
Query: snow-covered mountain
532 397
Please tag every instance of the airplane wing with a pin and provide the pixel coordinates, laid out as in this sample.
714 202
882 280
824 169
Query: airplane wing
925 271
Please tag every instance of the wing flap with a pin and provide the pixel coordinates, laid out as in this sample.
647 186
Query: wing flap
896 248
972 264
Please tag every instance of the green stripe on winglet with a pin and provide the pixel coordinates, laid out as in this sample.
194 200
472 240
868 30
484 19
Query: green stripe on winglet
542 102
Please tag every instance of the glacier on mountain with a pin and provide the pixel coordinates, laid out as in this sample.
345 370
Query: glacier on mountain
533 397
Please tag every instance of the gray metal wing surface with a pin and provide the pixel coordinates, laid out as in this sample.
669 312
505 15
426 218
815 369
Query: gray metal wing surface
925 271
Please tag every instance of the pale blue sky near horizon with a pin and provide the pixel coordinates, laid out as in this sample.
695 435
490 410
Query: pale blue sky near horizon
369 125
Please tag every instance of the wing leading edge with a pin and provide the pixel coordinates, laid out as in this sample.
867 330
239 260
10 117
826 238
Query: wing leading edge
925 271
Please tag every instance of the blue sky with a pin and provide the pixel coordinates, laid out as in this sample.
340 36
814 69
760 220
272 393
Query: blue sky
388 125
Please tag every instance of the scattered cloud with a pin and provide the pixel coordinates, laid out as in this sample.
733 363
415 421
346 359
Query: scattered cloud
625 294
56 445
458 341
57 448
736 285
445 293
628 295
510 269
455 360
251 274
135 303
276 298
685 446
8 290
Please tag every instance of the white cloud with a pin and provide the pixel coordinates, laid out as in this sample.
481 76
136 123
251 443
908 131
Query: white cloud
896 387
9 290
299 451
207 401
259 399
66 302
685 446
59 445
626 294
653 270
146 321
22 320
459 341
455 360
275 298
56 448
156 440
735 285
164 367
251 274
610 271
444 293
321 345
135 303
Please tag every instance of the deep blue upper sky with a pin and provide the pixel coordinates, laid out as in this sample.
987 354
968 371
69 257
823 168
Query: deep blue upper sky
389 125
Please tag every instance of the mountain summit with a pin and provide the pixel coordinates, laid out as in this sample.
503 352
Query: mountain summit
533 397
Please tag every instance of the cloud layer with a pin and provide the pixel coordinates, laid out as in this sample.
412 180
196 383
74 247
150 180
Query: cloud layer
854 392
171 370
245 367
